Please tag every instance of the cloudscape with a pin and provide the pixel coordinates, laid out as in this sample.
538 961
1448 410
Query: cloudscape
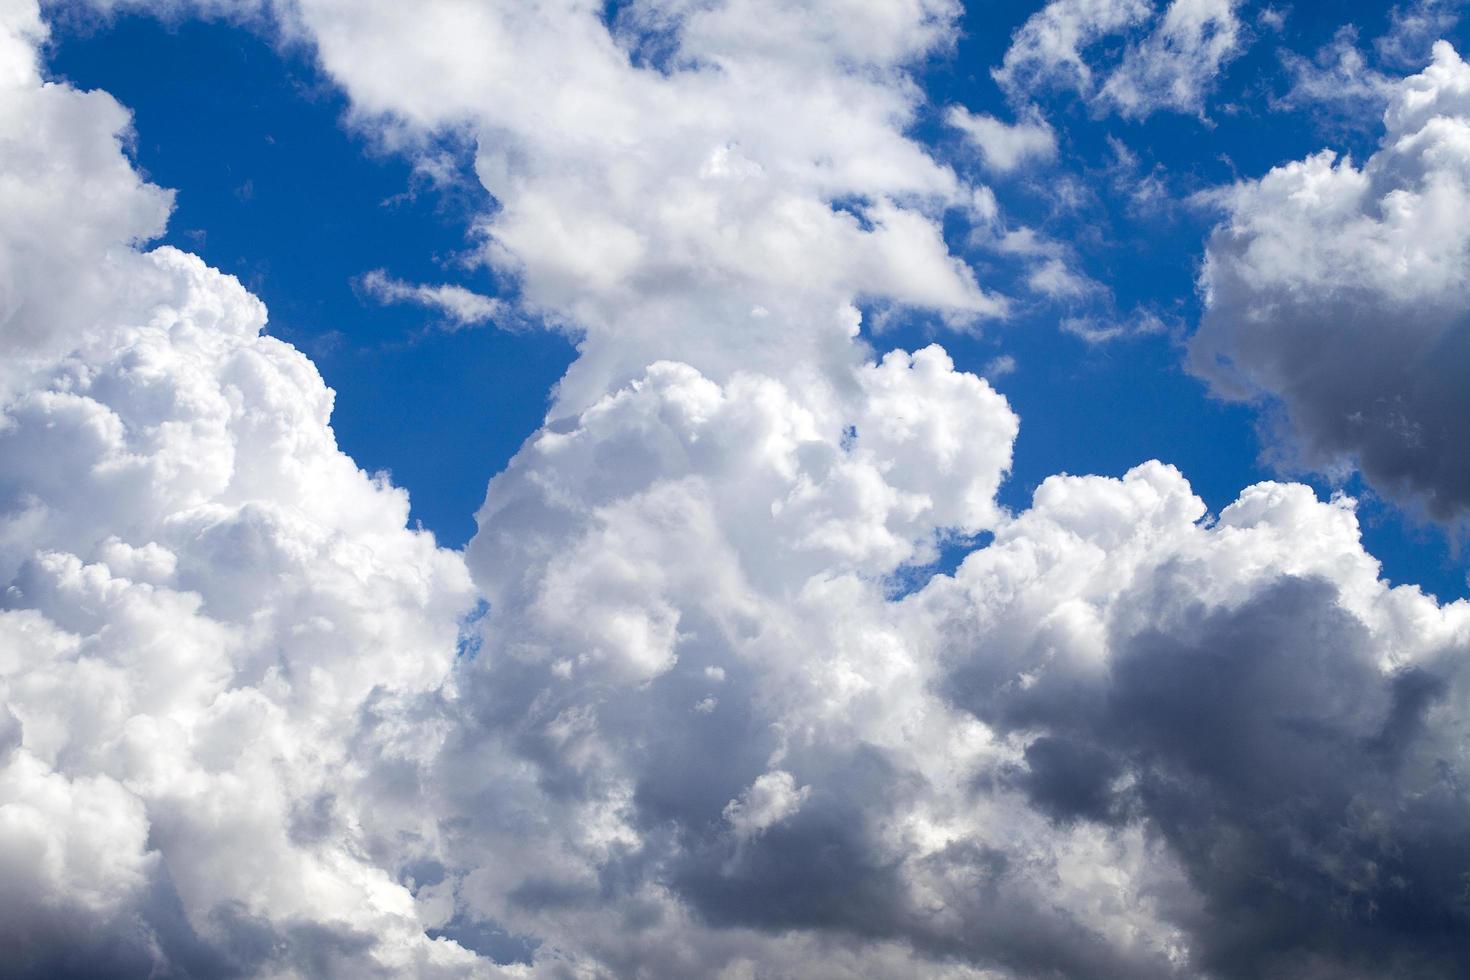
744 489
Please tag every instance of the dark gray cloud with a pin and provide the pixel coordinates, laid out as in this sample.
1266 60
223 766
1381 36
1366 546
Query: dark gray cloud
1355 378
155 938
1310 795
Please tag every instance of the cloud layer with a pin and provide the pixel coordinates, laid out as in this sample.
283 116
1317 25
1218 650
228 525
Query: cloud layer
692 703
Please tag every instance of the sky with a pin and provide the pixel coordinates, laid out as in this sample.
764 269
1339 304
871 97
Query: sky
860 488
274 190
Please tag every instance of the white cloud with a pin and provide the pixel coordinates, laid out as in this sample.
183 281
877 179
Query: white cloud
71 201
773 797
1051 263
1055 279
1338 76
1101 329
1173 67
460 306
1005 146
1413 28
1049 47
203 598
1344 77
1337 293
634 203
1273 18
1000 366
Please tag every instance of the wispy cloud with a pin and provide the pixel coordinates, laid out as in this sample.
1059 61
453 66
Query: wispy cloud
460 307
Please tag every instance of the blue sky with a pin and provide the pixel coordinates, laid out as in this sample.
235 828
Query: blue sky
275 187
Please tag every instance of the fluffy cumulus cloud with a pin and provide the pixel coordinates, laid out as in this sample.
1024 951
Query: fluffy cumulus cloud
1170 60
1249 691
1336 293
203 602
688 704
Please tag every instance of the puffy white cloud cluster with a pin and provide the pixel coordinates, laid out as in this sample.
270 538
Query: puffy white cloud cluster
1337 293
1122 740
252 726
202 596
70 202
1171 67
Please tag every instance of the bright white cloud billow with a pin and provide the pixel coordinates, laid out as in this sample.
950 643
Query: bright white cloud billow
207 606
672 713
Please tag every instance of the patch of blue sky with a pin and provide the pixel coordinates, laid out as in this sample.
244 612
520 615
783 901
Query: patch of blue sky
274 188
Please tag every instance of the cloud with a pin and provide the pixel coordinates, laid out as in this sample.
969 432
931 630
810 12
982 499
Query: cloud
1173 67
72 201
461 307
1048 47
666 715
1054 279
772 798
1356 82
771 139
1004 146
1270 720
1338 76
1335 296
1052 265
1000 366
1101 329
1413 29
202 598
